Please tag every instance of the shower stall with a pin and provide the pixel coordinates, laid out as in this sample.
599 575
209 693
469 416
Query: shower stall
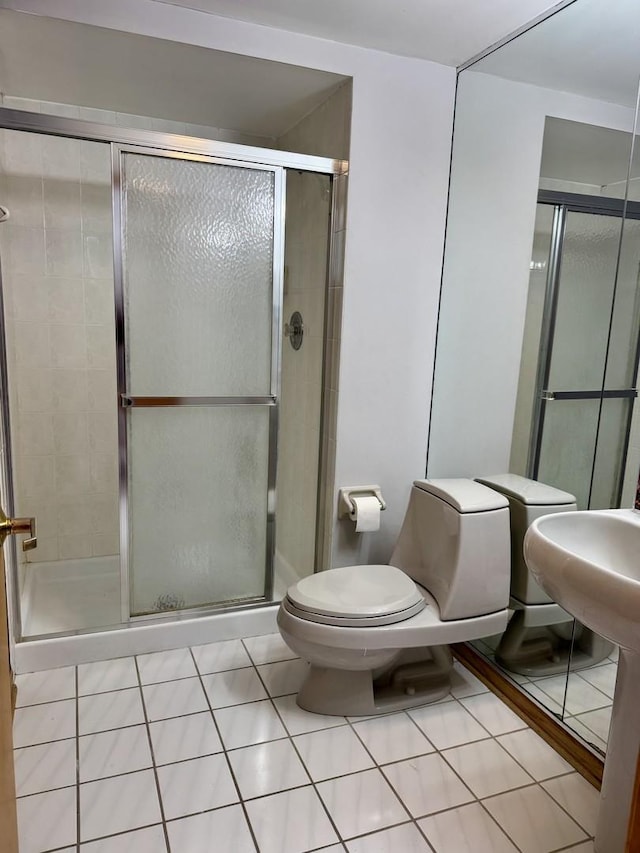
157 420
579 366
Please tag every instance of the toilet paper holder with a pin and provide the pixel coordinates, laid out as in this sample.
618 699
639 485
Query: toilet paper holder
346 507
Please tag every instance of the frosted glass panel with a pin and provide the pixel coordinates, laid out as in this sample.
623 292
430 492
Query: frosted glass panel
567 464
585 298
198 265
621 359
197 505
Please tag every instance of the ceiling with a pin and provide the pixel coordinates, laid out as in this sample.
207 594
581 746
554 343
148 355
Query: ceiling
446 31
584 153
590 48
53 60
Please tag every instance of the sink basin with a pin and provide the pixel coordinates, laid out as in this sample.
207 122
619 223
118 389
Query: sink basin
589 562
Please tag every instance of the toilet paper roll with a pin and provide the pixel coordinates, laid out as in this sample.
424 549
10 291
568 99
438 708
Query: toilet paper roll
366 514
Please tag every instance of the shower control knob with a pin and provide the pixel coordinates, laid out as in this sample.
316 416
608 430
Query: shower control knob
9 526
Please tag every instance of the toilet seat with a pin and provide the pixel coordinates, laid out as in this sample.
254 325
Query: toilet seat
356 596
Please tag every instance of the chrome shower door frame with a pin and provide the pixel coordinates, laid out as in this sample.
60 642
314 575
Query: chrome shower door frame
127 401
169 143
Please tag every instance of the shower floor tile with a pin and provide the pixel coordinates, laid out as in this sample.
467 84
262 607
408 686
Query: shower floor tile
165 767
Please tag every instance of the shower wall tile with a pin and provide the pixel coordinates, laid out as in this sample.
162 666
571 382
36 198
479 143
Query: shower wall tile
58 279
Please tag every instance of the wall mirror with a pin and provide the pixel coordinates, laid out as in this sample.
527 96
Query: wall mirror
537 350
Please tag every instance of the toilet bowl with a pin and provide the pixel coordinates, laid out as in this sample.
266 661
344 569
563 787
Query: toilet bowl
377 637
540 634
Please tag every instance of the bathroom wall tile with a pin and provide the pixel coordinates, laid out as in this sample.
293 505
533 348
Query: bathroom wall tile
104 711
180 738
62 204
70 433
103 475
35 433
47 821
447 724
101 347
23 194
233 687
46 551
65 300
74 547
36 476
102 390
332 752
290 821
95 162
24 250
468 829
196 785
98 255
118 804
43 723
195 833
486 768
31 345
45 767
71 474
28 297
69 390
96 207
68 346
427 784
267 768
392 738
111 753
46 515
61 158
103 513
362 802
536 756
63 252
64 110
102 429
105 544
22 153
98 301
533 821
100 116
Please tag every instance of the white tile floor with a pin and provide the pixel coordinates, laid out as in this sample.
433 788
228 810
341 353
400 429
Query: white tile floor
200 750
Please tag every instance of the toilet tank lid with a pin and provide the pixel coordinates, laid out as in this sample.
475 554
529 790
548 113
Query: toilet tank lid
528 492
464 495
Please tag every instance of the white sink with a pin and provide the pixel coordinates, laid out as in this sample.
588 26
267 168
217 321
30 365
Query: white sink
589 562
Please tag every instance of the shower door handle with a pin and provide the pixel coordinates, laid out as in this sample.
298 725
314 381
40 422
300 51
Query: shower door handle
10 526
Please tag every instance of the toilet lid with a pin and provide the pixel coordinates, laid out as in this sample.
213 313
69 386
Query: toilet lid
356 592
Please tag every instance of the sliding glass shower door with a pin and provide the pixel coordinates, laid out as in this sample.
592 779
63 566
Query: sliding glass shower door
199 294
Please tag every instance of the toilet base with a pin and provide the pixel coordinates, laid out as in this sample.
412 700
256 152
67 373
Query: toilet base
405 684
546 650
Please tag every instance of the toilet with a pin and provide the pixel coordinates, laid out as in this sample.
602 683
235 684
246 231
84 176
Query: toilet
377 637
538 638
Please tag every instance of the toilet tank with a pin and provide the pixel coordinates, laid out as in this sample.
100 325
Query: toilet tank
454 542
528 499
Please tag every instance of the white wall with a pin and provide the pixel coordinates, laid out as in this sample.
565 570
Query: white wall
400 142
496 167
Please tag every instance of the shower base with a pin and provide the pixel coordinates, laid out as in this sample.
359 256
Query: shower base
71 595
